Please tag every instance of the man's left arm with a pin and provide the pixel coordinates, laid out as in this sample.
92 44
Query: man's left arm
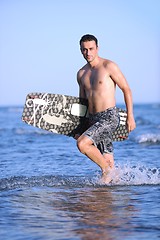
120 80
129 105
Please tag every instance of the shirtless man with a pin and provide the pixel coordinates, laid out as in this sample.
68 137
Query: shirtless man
97 83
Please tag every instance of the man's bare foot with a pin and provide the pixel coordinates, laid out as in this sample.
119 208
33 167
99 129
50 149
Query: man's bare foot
106 175
112 175
106 178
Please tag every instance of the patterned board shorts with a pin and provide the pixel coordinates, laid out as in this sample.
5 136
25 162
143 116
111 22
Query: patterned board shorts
101 126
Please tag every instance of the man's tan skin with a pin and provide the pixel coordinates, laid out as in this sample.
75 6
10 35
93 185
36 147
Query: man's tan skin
97 82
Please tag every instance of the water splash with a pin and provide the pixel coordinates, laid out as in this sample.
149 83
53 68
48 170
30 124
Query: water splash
122 175
135 175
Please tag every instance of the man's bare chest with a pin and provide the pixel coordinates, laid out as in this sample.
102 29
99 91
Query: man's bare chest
94 79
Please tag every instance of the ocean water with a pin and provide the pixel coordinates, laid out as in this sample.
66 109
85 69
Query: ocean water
48 190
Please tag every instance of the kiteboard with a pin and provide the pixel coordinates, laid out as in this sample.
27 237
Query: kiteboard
62 114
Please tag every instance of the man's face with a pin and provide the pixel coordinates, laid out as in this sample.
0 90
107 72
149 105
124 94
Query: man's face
89 50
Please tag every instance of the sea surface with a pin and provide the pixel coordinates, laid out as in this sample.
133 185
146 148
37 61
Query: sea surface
50 191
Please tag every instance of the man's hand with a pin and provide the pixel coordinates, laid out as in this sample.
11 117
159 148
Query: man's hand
131 125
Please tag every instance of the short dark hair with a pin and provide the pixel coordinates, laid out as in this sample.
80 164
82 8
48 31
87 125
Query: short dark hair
88 37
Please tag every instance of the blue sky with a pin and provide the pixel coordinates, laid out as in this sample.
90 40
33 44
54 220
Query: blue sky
39 45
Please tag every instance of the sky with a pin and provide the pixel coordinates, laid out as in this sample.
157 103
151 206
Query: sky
39 45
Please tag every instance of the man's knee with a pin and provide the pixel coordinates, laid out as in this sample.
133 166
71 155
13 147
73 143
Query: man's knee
83 143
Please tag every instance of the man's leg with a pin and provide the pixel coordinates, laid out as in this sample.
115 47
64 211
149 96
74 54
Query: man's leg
110 159
85 146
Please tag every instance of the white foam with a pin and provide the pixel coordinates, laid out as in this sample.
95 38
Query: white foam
149 138
134 175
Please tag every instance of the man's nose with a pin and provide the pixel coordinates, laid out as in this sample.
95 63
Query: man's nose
88 52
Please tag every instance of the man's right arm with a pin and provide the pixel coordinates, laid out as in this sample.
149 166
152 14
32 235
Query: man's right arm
81 94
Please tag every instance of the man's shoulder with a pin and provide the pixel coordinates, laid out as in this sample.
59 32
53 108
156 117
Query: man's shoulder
82 69
81 72
107 62
109 65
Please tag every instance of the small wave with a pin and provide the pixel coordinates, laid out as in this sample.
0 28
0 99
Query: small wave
143 122
122 175
149 138
24 131
15 109
47 181
11 109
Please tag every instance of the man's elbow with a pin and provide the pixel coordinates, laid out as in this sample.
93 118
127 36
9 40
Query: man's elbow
127 90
